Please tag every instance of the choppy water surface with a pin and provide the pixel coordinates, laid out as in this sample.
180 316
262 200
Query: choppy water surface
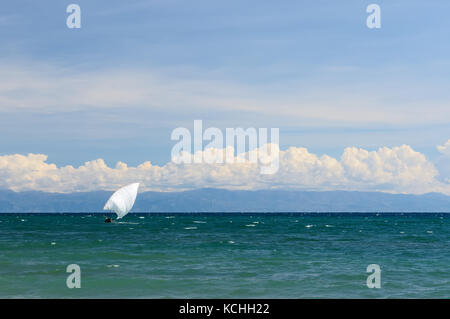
225 255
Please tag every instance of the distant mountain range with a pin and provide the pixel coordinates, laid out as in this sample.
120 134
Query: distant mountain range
219 200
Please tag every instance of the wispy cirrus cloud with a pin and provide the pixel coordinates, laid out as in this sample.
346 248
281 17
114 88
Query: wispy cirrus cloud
47 88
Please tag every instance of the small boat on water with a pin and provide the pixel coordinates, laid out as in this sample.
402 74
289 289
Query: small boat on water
122 201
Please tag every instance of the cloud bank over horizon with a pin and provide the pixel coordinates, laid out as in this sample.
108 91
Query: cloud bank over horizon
398 169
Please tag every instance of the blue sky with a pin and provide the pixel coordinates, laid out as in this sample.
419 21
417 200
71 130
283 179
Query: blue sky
117 87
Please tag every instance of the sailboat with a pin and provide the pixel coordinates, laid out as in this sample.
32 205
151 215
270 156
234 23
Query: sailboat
122 201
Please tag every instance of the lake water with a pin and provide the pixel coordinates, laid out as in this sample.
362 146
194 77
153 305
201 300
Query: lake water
225 255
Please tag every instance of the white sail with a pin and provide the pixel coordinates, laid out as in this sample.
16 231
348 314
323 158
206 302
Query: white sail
122 200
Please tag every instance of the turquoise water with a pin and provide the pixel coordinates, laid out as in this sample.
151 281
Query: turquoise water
225 255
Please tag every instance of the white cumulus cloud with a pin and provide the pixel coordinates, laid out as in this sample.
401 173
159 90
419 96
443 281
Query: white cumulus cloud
443 162
397 170
444 149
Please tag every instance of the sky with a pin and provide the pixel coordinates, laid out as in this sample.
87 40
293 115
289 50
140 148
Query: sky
357 108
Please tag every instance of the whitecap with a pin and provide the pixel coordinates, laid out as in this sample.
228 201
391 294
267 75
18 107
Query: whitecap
141 217
231 242
429 231
309 226
190 227
199 222
53 243
329 226
250 225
